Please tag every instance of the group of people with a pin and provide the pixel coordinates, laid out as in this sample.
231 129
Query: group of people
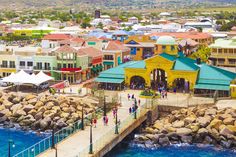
163 92
134 106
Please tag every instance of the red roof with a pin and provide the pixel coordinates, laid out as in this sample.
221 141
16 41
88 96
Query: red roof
90 51
72 40
66 49
56 37
183 35
116 45
93 39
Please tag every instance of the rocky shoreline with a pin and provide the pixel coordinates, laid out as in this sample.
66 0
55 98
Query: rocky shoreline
195 125
41 113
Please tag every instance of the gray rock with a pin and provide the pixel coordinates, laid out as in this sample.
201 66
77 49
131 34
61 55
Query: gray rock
164 141
183 131
186 139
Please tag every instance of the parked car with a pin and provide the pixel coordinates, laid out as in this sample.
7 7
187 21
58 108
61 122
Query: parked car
44 85
3 84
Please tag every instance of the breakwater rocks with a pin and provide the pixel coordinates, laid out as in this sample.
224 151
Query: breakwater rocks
193 125
41 112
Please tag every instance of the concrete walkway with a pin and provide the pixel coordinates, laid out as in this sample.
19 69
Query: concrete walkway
78 142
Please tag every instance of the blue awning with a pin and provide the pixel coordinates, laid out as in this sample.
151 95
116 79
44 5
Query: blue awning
109 80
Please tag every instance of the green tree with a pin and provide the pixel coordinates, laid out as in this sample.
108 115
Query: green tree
203 53
100 25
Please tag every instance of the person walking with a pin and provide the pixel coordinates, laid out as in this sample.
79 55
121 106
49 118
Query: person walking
95 122
166 94
128 96
132 96
114 112
139 102
130 110
70 90
106 121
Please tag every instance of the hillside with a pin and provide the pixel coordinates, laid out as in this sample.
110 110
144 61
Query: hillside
13 4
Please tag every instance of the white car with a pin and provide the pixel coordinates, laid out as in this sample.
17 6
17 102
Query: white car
44 85
3 84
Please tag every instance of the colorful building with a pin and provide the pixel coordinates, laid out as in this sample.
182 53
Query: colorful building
8 63
95 60
223 52
203 39
141 47
173 71
114 54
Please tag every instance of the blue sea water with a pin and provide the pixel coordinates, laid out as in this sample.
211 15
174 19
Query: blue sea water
172 151
21 140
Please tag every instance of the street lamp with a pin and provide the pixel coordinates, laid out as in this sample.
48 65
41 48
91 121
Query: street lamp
10 144
104 107
135 109
116 128
91 139
82 118
53 140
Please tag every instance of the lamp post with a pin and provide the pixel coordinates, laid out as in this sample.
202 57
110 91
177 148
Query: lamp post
116 128
53 140
104 107
82 118
135 109
10 144
91 139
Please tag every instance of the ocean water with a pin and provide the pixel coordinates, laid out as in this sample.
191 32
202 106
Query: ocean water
21 140
171 151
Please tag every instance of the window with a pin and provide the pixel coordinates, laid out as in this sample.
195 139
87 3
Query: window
172 48
163 48
138 49
47 66
64 65
232 61
4 64
219 50
22 63
225 51
29 64
221 61
214 50
39 65
231 51
12 64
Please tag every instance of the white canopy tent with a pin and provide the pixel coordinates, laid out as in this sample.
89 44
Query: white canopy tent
24 78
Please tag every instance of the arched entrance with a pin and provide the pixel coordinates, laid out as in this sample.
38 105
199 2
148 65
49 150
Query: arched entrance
158 79
137 82
181 85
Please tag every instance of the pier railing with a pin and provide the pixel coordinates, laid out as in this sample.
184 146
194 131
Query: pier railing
59 136
109 135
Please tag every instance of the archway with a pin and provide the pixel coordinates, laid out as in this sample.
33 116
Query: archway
137 82
158 79
181 85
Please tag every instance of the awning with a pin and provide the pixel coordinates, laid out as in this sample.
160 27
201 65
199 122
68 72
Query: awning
212 87
109 80
108 63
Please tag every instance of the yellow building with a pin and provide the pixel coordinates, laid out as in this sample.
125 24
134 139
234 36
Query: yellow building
172 70
8 64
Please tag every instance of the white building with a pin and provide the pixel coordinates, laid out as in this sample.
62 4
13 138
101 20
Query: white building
133 20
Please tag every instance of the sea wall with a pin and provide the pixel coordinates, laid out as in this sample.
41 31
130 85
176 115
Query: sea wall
40 112
205 125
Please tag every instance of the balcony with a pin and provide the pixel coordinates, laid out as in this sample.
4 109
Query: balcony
67 69
42 68
26 67
6 66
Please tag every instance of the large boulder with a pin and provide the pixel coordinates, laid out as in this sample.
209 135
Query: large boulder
215 123
224 116
8 104
164 141
226 131
178 124
190 119
211 111
5 112
19 113
38 116
16 100
183 131
38 105
229 121
49 105
204 121
16 107
33 101
202 132
2 107
186 139
28 108
29 96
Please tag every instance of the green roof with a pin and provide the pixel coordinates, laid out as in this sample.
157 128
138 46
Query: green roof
109 80
108 63
167 56
138 65
224 43
214 78
185 64
212 87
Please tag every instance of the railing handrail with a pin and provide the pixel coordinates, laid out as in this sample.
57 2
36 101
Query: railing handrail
50 136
